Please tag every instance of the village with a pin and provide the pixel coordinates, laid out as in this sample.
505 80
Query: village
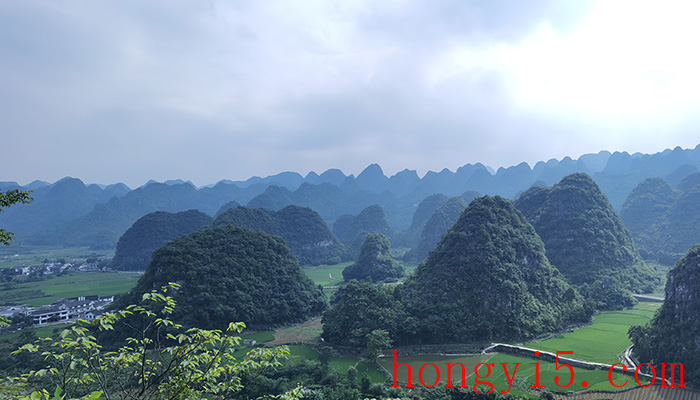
64 310
61 311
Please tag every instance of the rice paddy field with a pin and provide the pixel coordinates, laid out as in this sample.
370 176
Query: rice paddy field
602 340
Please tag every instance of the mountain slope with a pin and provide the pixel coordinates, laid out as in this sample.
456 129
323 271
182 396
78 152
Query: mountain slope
586 240
489 279
309 238
230 273
151 232
375 261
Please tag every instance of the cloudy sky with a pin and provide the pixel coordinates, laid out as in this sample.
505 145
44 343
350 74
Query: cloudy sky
111 91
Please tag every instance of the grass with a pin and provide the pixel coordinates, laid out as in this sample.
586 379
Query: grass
524 376
67 286
371 370
19 255
596 379
604 339
429 373
260 337
42 332
307 332
332 275
326 275
303 351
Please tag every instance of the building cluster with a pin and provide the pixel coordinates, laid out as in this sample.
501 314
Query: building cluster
64 310
52 269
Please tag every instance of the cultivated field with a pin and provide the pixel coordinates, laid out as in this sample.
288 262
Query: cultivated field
604 339
23 255
66 286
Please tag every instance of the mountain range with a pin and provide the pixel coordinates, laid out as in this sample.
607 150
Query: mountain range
69 212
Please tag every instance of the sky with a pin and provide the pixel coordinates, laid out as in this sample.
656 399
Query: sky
131 90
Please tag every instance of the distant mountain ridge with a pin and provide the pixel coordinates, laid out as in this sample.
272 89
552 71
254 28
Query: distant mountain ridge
664 220
68 212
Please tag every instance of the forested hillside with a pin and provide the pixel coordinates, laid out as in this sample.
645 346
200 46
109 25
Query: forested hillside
152 231
437 225
425 209
352 229
664 221
587 241
71 213
375 261
673 334
230 273
488 279
309 238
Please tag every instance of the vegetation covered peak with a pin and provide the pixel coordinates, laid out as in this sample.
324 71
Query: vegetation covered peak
586 240
308 236
489 279
673 335
150 232
351 230
230 273
439 222
375 261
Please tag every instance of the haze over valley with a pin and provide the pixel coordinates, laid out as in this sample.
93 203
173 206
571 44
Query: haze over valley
445 200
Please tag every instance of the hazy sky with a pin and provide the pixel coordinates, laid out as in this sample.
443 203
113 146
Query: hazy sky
128 91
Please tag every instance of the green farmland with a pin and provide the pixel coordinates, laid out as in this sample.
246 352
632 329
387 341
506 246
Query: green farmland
602 340
72 285
24 255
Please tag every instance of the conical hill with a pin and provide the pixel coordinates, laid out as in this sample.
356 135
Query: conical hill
489 279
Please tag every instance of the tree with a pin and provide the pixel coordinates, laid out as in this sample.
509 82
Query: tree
7 199
163 361
377 340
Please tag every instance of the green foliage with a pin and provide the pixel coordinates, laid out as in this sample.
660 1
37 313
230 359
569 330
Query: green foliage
375 261
377 341
352 230
308 236
663 220
425 209
436 226
488 279
359 308
673 335
232 273
163 361
7 199
587 241
646 205
150 232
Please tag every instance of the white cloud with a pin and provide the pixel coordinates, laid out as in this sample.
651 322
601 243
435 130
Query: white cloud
130 87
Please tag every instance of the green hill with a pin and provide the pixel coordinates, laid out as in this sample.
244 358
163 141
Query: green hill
489 279
351 230
673 335
587 241
436 226
375 261
645 210
229 273
665 221
152 231
425 209
308 236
